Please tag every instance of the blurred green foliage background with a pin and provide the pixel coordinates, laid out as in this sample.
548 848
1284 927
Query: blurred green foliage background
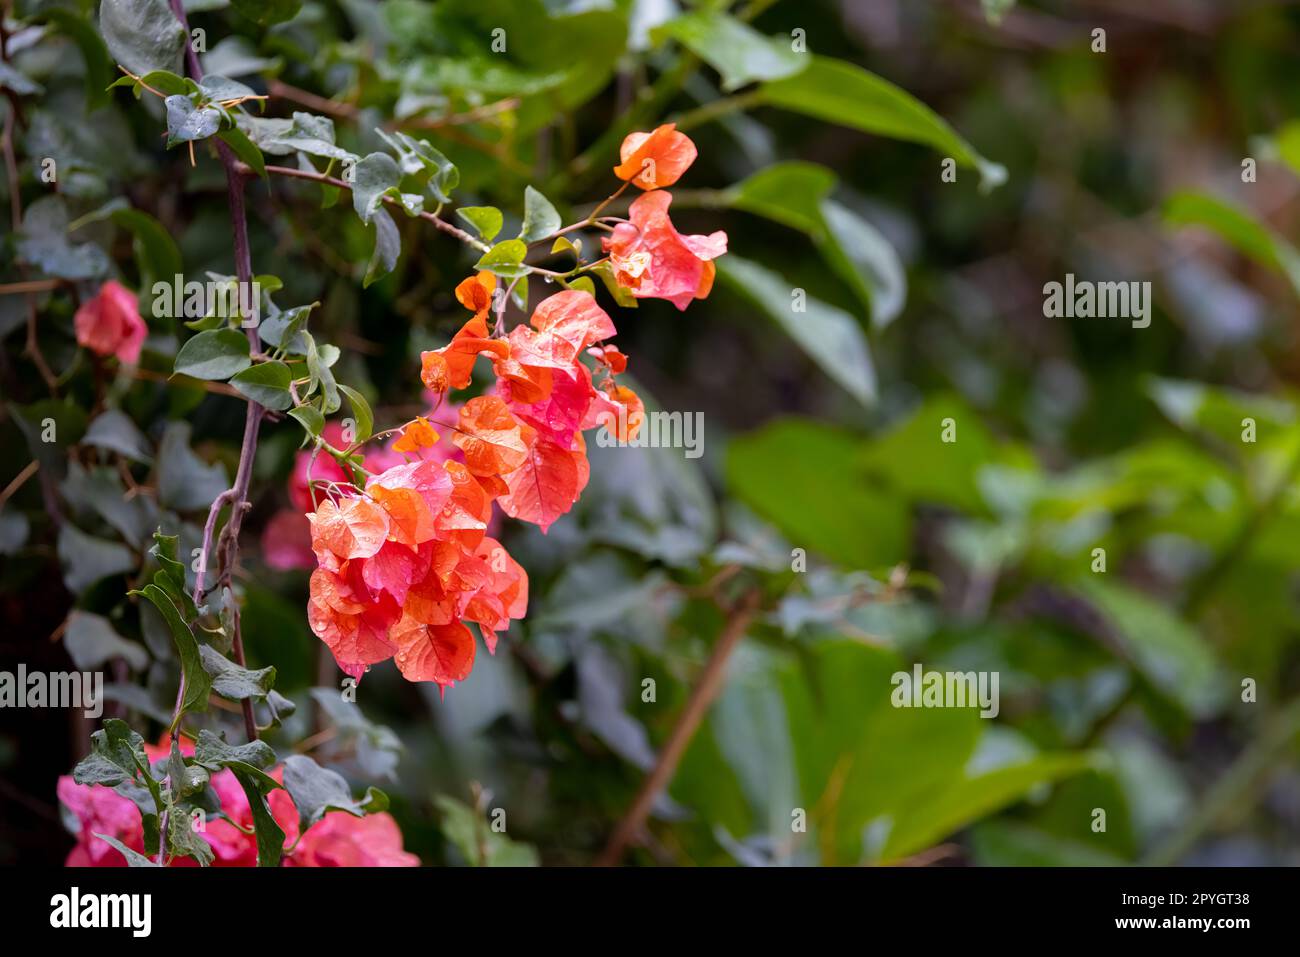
1121 690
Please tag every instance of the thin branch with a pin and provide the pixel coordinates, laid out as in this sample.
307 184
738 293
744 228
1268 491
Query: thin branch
688 721
238 493
326 180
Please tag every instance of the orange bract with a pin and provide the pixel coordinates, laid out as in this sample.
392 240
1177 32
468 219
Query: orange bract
655 159
475 293
418 434
493 440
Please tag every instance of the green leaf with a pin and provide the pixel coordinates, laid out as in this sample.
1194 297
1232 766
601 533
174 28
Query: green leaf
155 250
803 477
216 354
839 92
168 83
232 682
540 217
267 12
184 780
18 83
420 158
113 429
1168 651
388 246
91 642
310 418
481 846
87 559
374 177
831 337
797 195
486 220
171 574
142 35
185 481
505 259
733 48
184 841
283 330
270 836
316 790
197 682
244 148
186 122
98 67
133 858
305 133
365 419
214 753
116 756
43 242
318 365
1237 228
267 384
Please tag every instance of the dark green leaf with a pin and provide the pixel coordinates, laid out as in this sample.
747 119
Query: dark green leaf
217 354
316 790
266 383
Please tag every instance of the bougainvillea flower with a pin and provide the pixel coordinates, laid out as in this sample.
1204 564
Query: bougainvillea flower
655 159
652 259
475 293
619 411
609 356
547 484
110 323
575 317
450 367
337 840
418 434
493 440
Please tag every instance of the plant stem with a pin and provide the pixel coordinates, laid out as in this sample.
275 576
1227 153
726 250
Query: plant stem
1233 790
237 495
322 178
683 730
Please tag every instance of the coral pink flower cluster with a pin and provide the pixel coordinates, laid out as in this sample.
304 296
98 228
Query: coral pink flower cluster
649 256
404 565
337 840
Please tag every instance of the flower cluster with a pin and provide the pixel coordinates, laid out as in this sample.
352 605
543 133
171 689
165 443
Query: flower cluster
405 563
648 255
337 840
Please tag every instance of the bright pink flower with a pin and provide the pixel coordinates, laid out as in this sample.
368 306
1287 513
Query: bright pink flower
374 841
110 324
652 259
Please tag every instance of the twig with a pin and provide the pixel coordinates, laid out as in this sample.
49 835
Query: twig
688 721
322 178
18 481
238 493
